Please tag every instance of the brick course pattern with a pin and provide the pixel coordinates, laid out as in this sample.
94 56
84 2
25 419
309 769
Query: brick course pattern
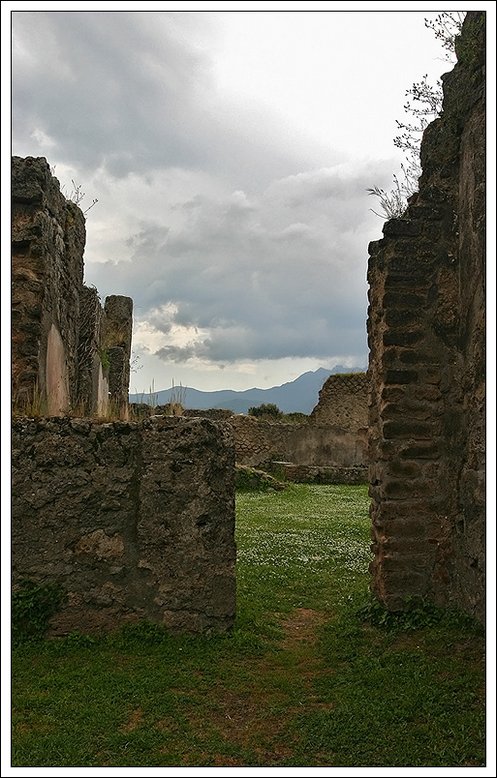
108 512
426 372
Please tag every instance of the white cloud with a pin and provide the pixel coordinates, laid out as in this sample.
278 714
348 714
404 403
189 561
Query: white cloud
276 276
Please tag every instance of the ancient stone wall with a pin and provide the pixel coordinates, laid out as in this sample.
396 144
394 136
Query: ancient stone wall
426 338
324 474
258 442
67 352
118 316
108 512
343 402
216 414
323 449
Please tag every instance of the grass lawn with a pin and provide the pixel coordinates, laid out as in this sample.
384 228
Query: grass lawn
301 681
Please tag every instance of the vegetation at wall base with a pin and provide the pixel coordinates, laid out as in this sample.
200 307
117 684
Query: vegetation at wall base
306 678
33 604
416 615
251 479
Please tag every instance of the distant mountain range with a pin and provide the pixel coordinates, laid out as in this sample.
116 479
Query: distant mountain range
298 396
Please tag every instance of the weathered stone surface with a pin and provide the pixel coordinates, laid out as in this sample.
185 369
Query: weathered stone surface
426 325
329 448
117 344
48 236
59 330
343 402
133 520
258 442
318 475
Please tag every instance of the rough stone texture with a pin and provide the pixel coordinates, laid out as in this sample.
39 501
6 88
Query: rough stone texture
343 402
330 447
324 448
319 475
426 337
258 442
93 377
48 236
216 414
117 343
108 511
59 331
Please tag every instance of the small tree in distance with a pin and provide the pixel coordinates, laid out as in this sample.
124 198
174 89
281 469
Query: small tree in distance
266 409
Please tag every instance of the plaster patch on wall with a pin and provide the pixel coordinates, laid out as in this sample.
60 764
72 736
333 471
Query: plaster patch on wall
57 385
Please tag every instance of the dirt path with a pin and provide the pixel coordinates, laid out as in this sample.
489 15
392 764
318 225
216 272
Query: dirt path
257 715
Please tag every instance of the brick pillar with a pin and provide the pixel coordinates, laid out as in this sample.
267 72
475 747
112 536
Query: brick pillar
426 332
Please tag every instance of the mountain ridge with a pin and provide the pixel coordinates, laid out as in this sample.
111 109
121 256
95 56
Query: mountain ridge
297 396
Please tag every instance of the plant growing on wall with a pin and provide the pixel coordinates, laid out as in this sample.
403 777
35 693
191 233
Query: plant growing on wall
33 605
75 194
104 359
423 105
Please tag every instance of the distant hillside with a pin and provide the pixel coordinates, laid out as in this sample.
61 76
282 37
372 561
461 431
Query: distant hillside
298 396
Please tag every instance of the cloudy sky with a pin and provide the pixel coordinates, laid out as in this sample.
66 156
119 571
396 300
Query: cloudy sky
230 153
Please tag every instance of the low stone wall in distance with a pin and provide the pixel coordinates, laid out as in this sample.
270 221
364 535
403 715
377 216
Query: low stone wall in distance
309 474
258 442
133 520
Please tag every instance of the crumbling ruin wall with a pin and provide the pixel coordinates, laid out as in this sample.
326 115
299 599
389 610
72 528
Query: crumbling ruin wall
216 414
258 442
107 512
118 316
330 447
67 352
426 338
343 402
48 237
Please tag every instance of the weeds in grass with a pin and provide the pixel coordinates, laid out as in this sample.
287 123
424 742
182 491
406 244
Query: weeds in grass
416 615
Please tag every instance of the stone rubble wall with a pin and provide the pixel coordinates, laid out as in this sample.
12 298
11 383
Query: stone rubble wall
311 474
48 237
343 402
118 318
306 446
216 414
258 442
133 520
67 352
427 372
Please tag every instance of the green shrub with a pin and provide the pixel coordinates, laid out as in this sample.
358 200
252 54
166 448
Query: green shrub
33 605
266 409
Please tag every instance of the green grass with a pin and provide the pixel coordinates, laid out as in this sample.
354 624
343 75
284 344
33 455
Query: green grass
301 681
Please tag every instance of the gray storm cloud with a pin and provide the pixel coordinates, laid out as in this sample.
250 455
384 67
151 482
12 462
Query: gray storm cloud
238 244
126 92
276 276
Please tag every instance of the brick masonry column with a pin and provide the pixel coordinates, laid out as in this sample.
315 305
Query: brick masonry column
426 323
